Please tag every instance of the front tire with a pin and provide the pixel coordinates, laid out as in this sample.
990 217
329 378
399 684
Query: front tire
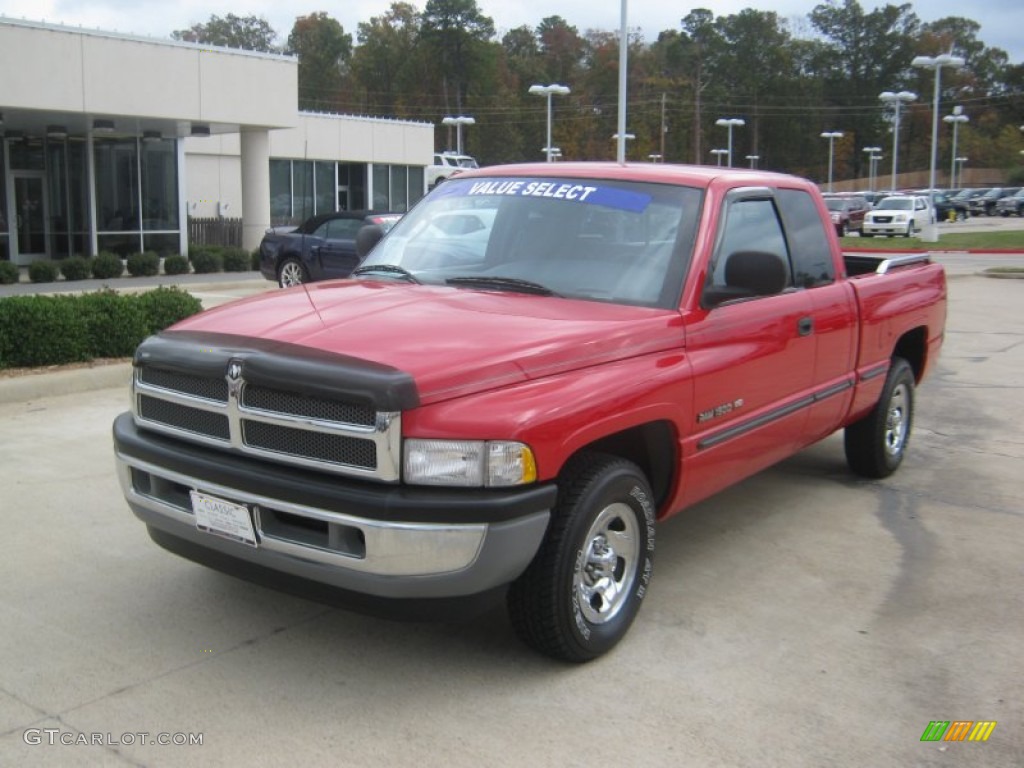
876 444
291 272
579 596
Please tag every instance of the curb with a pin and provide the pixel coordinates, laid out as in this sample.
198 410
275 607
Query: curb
37 385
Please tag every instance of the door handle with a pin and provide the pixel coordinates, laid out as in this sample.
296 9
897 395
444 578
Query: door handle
805 325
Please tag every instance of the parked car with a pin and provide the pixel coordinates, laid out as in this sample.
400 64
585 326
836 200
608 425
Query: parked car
446 165
986 204
1013 204
898 215
322 247
847 212
947 207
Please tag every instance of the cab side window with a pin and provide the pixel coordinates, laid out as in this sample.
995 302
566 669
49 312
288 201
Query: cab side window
808 239
752 258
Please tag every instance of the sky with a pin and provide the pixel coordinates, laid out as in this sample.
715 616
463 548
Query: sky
1001 21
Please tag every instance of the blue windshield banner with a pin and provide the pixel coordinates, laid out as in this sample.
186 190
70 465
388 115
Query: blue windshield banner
591 193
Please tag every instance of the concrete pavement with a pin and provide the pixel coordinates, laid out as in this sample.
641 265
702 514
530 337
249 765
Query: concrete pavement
803 618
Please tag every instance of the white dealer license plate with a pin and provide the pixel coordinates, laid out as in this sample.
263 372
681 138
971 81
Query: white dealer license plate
223 518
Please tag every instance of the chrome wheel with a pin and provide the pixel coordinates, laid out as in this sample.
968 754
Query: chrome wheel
607 564
291 273
896 421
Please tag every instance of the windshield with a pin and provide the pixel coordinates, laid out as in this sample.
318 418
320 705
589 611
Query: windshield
593 239
896 204
835 204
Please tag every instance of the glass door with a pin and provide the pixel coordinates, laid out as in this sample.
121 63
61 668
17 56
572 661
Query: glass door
30 235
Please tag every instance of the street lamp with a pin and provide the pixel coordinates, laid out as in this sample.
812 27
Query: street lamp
655 157
753 160
936 63
873 157
718 153
959 161
730 122
458 122
896 99
831 136
549 90
955 119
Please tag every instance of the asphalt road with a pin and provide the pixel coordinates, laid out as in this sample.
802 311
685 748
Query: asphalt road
803 618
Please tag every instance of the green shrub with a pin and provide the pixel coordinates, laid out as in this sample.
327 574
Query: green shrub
143 264
166 306
42 330
76 268
176 265
9 273
255 260
106 266
115 324
42 271
237 260
206 261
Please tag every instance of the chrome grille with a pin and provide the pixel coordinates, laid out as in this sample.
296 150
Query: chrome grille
336 449
274 400
312 431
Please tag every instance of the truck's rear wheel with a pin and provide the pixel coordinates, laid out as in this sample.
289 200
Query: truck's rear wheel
580 594
876 444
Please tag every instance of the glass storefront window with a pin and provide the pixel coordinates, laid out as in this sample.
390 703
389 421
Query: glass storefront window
5 248
325 187
416 176
302 190
280 192
160 186
381 188
399 192
117 191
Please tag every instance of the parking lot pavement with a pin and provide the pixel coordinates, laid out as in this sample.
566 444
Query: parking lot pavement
803 618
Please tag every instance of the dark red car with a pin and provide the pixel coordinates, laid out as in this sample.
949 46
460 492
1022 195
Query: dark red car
847 212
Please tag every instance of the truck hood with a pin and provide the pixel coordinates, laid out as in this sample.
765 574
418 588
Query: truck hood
452 341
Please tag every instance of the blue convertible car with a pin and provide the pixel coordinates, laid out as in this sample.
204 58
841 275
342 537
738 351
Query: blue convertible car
321 248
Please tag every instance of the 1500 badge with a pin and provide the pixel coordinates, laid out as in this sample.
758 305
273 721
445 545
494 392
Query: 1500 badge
719 410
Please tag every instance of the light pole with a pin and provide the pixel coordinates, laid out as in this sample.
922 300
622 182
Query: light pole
959 161
718 153
753 160
622 143
458 122
549 91
936 63
655 157
831 136
955 119
896 99
730 123
872 159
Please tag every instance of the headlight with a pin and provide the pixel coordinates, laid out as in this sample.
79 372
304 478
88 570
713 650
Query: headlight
899 217
469 463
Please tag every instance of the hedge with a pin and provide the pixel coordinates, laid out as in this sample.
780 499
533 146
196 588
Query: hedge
143 264
54 330
9 273
107 265
42 271
76 268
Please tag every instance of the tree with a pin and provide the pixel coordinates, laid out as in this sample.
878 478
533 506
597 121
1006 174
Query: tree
249 33
385 62
324 50
455 31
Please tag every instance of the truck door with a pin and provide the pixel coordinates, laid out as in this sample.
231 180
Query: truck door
751 347
834 317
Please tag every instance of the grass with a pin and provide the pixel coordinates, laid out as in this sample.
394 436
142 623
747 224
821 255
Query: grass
957 241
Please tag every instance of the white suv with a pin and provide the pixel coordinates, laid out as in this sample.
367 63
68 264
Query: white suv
446 165
898 215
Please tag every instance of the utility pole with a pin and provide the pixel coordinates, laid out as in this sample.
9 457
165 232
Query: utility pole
664 128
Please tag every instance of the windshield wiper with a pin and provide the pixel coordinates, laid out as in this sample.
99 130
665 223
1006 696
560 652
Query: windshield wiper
502 284
387 269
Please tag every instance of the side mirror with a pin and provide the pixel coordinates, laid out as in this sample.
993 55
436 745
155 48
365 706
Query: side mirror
367 237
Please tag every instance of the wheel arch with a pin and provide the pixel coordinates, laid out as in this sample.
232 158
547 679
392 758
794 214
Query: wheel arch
652 446
913 347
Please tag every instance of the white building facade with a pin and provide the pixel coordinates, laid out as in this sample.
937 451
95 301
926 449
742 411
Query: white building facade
111 142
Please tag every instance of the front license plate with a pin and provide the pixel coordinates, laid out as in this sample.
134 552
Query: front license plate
223 518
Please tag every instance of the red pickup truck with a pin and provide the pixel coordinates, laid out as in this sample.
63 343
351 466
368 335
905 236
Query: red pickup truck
536 367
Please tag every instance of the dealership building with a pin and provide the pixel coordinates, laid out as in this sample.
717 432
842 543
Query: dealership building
111 142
